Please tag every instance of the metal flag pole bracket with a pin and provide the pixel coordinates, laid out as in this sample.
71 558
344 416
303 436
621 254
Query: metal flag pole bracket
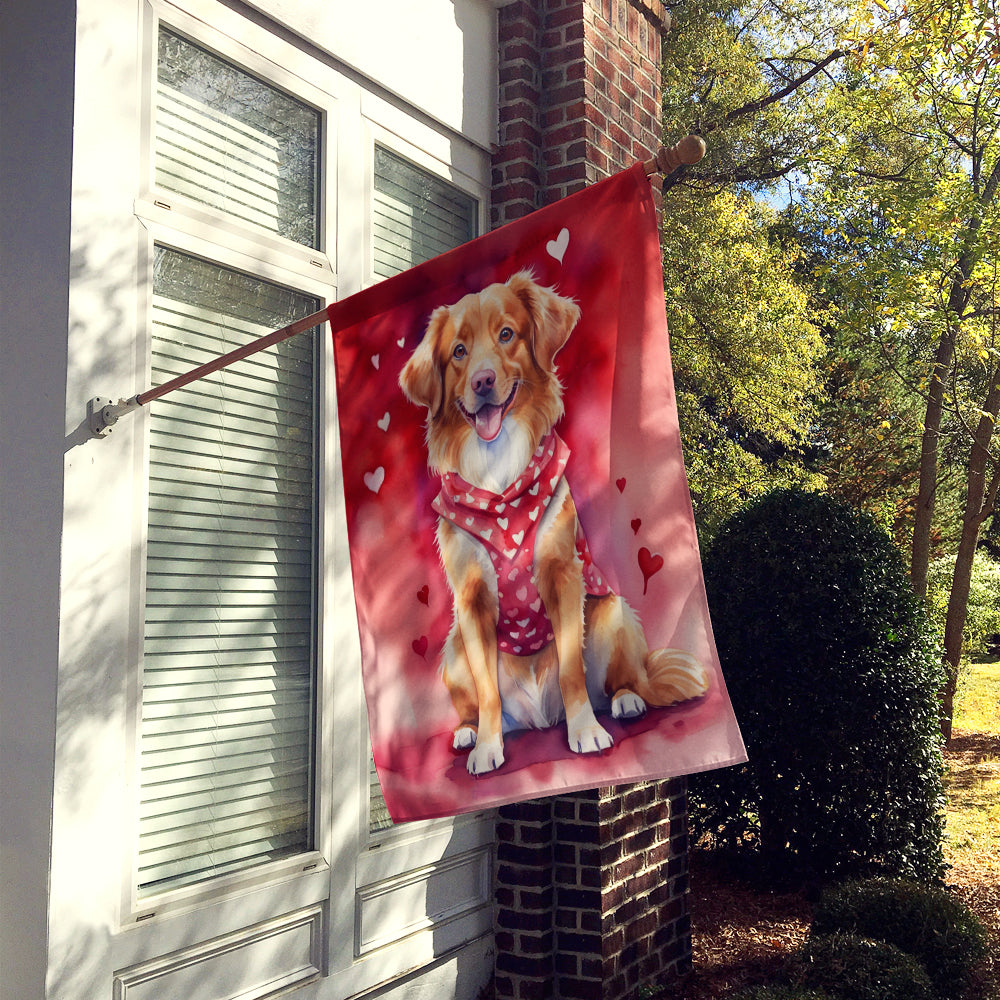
103 413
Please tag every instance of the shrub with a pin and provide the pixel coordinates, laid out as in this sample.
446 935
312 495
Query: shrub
856 968
833 673
926 922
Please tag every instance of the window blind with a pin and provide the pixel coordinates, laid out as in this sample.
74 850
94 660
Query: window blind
416 216
228 653
225 139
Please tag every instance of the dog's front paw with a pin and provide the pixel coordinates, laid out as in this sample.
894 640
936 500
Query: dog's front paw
590 737
627 705
486 756
465 738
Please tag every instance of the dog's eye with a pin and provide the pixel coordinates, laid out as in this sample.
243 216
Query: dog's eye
506 335
458 352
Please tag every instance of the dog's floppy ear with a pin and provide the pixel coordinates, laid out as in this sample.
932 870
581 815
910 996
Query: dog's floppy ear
554 316
420 378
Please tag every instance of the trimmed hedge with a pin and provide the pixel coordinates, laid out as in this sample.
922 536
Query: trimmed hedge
833 672
925 922
856 968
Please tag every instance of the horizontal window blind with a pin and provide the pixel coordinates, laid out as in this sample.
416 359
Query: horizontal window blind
228 655
416 216
225 139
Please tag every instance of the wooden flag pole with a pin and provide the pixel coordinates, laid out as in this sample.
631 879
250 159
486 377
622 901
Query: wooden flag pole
103 413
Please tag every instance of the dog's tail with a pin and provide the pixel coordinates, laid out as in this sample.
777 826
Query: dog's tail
672 675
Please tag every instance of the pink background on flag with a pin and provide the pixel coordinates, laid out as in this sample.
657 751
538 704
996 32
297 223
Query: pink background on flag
626 474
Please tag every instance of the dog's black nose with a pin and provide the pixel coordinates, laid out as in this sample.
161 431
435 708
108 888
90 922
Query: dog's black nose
483 381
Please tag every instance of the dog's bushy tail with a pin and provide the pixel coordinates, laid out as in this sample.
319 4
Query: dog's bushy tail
672 675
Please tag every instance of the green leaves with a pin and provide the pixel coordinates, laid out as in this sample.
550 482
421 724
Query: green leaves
833 673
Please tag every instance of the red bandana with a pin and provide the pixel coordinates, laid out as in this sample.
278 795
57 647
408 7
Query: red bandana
507 524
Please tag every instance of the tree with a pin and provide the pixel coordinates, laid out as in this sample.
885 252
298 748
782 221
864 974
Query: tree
747 358
747 352
914 187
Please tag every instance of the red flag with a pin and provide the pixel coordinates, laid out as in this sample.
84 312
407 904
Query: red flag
526 571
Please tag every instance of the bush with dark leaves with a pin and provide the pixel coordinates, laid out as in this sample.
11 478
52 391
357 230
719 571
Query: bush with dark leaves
833 673
926 922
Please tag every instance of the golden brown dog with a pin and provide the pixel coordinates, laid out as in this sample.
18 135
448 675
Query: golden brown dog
537 635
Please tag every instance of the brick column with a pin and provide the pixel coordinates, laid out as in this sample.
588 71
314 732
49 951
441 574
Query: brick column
591 888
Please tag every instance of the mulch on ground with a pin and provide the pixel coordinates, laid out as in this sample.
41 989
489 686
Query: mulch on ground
742 934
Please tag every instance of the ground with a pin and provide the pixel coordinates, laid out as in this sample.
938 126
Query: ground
741 935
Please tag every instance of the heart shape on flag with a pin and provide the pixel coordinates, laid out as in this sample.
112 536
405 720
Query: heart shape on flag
557 248
383 423
649 563
420 646
374 479
424 594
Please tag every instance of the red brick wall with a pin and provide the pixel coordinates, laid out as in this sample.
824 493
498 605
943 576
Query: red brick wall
579 96
591 888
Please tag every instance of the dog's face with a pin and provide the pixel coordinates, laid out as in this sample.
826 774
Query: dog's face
486 365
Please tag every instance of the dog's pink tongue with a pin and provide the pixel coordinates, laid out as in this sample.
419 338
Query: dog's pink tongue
488 420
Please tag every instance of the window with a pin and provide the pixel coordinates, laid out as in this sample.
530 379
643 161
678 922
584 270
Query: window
229 646
227 140
416 216
228 689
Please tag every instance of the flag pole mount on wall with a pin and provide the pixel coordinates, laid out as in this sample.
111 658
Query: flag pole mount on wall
103 413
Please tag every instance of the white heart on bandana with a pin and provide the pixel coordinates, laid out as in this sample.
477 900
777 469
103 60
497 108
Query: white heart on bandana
486 533
518 536
533 516
521 624
503 522
534 490
510 553
470 521
500 507
536 604
522 594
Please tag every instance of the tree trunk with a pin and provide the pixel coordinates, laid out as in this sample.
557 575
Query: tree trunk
920 553
980 499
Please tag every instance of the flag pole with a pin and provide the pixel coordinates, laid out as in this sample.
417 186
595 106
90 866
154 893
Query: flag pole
103 414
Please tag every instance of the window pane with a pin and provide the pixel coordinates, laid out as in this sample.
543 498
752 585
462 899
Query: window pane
228 140
228 658
416 217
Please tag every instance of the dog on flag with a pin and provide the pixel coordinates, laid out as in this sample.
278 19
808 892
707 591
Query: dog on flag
538 636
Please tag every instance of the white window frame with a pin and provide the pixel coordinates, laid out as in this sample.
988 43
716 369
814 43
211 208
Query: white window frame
350 873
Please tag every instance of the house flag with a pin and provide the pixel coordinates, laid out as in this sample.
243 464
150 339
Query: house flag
528 586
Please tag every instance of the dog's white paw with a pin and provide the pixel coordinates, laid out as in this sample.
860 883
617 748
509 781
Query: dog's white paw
590 738
486 756
627 705
465 738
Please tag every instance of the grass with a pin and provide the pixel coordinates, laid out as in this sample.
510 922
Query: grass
973 783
